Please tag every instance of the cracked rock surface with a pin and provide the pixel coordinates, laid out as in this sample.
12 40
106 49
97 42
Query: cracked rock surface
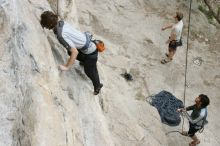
41 106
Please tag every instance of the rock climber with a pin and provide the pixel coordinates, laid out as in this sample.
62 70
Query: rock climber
78 45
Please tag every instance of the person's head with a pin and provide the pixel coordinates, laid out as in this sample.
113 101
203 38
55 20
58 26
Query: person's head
178 16
202 101
48 20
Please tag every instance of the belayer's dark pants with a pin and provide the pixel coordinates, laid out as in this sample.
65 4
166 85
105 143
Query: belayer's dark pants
89 61
192 130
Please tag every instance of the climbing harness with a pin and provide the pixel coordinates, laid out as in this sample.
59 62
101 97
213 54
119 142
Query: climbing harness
100 46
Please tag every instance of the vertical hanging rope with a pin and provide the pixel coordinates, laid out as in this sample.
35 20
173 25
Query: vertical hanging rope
57 7
187 48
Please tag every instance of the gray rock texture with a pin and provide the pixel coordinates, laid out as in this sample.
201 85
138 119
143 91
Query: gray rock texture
42 106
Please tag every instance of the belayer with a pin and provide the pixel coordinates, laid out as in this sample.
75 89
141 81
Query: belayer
175 38
197 119
79 46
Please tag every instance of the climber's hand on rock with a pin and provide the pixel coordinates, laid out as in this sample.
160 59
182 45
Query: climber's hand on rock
63 67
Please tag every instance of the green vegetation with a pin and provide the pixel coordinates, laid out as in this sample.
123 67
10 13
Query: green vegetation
207 13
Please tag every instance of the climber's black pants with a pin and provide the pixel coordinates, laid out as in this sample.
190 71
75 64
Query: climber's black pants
89 61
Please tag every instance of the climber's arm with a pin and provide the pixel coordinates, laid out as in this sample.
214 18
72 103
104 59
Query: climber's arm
71 60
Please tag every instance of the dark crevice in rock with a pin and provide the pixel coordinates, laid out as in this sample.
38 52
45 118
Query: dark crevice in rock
34 64
66 137
24 123
57 54
18 32
62 109
101 103
2 18
70 94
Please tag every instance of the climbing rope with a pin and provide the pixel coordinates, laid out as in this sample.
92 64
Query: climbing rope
57 7
166 105
175 131
187 48
185 83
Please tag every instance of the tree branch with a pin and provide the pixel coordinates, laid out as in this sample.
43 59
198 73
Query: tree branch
216 15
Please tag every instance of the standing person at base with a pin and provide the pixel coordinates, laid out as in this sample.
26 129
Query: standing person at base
79 46
175 37
197 119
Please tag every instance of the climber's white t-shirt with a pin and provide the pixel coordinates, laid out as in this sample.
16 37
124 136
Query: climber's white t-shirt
76 39
177 29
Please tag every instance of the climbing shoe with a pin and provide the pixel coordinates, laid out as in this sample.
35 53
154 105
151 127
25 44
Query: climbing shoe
97 90
164 61
194 143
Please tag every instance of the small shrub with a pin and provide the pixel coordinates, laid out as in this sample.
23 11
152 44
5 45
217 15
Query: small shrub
207 13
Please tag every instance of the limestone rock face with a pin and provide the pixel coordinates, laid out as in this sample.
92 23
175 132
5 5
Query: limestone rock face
42 106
